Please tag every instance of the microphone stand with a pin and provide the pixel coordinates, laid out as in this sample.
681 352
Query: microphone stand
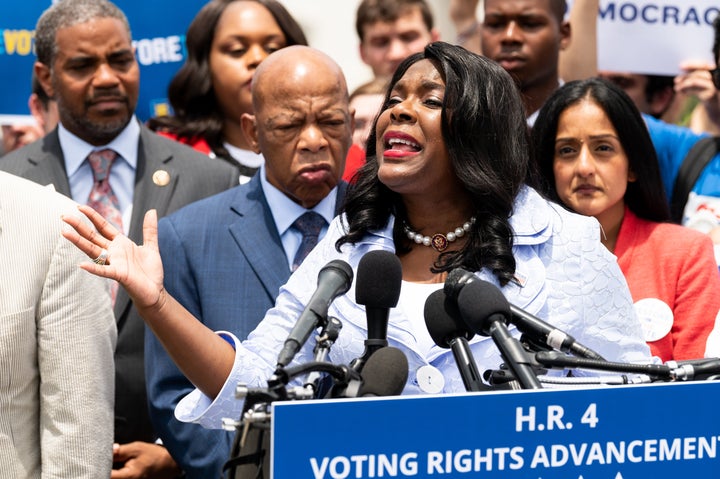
466 364
558 359
689 370
314 381
251 445
517 359
543 358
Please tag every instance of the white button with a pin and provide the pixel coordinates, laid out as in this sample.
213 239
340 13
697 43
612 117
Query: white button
656 318
430 379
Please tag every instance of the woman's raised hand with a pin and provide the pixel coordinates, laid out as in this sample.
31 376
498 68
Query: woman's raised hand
114 256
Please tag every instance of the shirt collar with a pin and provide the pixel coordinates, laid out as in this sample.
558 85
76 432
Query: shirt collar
245 157
76 150
531 217
533 116
285 211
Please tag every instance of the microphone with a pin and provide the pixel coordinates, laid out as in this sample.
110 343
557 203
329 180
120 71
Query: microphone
333 280
385 373
343 377
339 372
447 331
549 335
557 359
526 323
485 310
377 287
695 369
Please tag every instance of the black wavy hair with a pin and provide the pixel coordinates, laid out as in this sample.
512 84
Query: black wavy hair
483 126
646 195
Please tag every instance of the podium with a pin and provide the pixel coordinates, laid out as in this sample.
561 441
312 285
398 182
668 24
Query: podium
658 430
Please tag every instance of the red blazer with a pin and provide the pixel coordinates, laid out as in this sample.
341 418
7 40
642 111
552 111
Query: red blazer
677 266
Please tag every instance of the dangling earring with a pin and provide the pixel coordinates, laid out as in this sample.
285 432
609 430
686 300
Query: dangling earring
602 232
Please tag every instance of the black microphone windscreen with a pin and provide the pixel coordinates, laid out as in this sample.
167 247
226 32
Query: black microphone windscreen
480 300
456 280
379 278
442 320
385 373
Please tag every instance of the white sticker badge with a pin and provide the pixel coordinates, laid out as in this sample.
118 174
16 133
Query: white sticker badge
430 379
656 318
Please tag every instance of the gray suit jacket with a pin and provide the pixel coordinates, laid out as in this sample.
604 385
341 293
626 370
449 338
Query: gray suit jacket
192 176
57 337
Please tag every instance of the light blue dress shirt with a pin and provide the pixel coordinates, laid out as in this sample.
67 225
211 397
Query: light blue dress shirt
285 211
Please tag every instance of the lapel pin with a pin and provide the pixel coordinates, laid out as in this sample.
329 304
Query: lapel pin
161 178
519 279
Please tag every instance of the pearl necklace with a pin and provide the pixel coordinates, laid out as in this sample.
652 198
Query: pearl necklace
439 242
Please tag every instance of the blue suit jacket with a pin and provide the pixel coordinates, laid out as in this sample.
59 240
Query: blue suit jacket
225 263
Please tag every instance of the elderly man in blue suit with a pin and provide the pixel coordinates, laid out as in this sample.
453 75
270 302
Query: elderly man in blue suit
226 257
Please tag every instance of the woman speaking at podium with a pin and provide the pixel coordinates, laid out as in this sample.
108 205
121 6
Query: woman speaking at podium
443 187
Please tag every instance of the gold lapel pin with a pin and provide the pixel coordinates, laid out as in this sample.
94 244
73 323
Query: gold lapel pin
161 178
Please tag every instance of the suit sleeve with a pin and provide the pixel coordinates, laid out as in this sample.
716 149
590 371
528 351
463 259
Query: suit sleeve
76 336
198 451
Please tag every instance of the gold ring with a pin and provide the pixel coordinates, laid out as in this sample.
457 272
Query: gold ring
102 259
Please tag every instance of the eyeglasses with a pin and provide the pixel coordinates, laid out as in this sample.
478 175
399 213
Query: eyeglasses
716 77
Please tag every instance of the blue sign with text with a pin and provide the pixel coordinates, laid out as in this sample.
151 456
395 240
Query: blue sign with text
660 430
158 30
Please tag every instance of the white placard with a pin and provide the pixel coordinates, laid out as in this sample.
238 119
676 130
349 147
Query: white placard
654 36
17 120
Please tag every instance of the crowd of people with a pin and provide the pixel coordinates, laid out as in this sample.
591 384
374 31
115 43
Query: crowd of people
202 233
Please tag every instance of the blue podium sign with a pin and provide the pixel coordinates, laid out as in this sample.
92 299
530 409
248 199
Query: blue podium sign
661 430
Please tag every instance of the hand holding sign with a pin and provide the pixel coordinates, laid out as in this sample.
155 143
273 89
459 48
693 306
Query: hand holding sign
630 32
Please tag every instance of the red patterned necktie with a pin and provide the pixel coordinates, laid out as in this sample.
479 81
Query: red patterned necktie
309 225
102 198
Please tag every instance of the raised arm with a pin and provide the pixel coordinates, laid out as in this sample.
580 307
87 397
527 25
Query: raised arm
579 60
467 25
205 358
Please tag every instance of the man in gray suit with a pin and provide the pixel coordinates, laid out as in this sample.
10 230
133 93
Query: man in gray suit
86 62
57 337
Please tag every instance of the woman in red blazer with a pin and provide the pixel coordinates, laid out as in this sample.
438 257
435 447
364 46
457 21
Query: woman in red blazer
595 156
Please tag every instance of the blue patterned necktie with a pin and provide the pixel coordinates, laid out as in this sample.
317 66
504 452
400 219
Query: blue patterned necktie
309 225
